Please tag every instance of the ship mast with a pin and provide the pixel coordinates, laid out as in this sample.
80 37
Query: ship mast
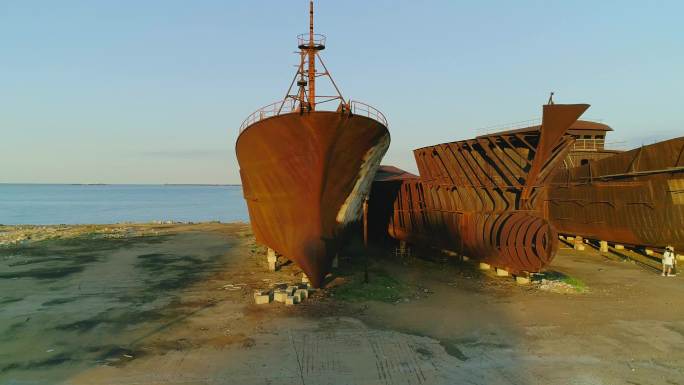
311 53
306 99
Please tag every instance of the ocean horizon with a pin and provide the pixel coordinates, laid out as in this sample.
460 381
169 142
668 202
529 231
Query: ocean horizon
98 203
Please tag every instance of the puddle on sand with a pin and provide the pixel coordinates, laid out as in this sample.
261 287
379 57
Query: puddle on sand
71 304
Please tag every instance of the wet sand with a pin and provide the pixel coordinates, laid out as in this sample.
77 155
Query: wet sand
173 304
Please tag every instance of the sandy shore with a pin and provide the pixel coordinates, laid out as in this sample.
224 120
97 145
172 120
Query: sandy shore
153 304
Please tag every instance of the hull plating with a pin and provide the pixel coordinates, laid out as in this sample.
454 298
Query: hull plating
430 215
634 198
305 177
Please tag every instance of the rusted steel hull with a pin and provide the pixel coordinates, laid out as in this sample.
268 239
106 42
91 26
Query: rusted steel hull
633 198
305 177
480 197
427 214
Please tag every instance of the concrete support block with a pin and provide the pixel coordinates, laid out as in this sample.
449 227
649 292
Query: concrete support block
465 258
484 266
578 243
262 298
501 272
291 300
403 250
561 237
272 259
280 296
603 246
271 255
520 280
648 251
619 247
302 294
570 239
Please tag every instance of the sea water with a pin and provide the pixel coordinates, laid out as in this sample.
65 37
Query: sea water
92 204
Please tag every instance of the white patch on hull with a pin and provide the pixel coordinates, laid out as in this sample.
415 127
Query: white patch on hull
351 208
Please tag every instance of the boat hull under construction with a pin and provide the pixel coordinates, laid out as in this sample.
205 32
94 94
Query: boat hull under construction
305 177
434 216
633 198
482 197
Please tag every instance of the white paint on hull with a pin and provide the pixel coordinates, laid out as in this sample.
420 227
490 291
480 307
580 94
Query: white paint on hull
351 208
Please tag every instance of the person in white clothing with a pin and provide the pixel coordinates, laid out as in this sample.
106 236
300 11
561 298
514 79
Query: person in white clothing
669 261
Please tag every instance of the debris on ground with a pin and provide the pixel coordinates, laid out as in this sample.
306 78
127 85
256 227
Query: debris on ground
284 293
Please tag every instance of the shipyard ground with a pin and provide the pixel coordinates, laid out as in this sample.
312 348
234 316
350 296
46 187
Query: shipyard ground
172 304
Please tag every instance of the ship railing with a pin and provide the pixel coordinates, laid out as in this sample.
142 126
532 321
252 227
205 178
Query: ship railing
273 109
363 109
290 105
589 144
508 126
303 40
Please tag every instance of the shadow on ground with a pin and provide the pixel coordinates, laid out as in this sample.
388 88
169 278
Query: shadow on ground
70 304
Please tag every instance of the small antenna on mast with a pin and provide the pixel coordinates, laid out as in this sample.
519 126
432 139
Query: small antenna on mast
311 23
311 61
550 98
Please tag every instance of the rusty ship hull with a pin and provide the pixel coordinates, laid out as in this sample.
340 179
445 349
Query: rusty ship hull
305 177
306 172
482 197
633 198
435 216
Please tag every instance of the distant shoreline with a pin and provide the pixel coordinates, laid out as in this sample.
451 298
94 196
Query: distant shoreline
20 235
22 226
123 184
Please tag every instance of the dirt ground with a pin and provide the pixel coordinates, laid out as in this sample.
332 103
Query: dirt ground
173 304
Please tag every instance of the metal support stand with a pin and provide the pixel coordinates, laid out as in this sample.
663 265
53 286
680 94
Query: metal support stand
365 240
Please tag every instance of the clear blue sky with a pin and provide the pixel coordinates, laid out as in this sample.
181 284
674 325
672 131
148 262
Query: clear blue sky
154 91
